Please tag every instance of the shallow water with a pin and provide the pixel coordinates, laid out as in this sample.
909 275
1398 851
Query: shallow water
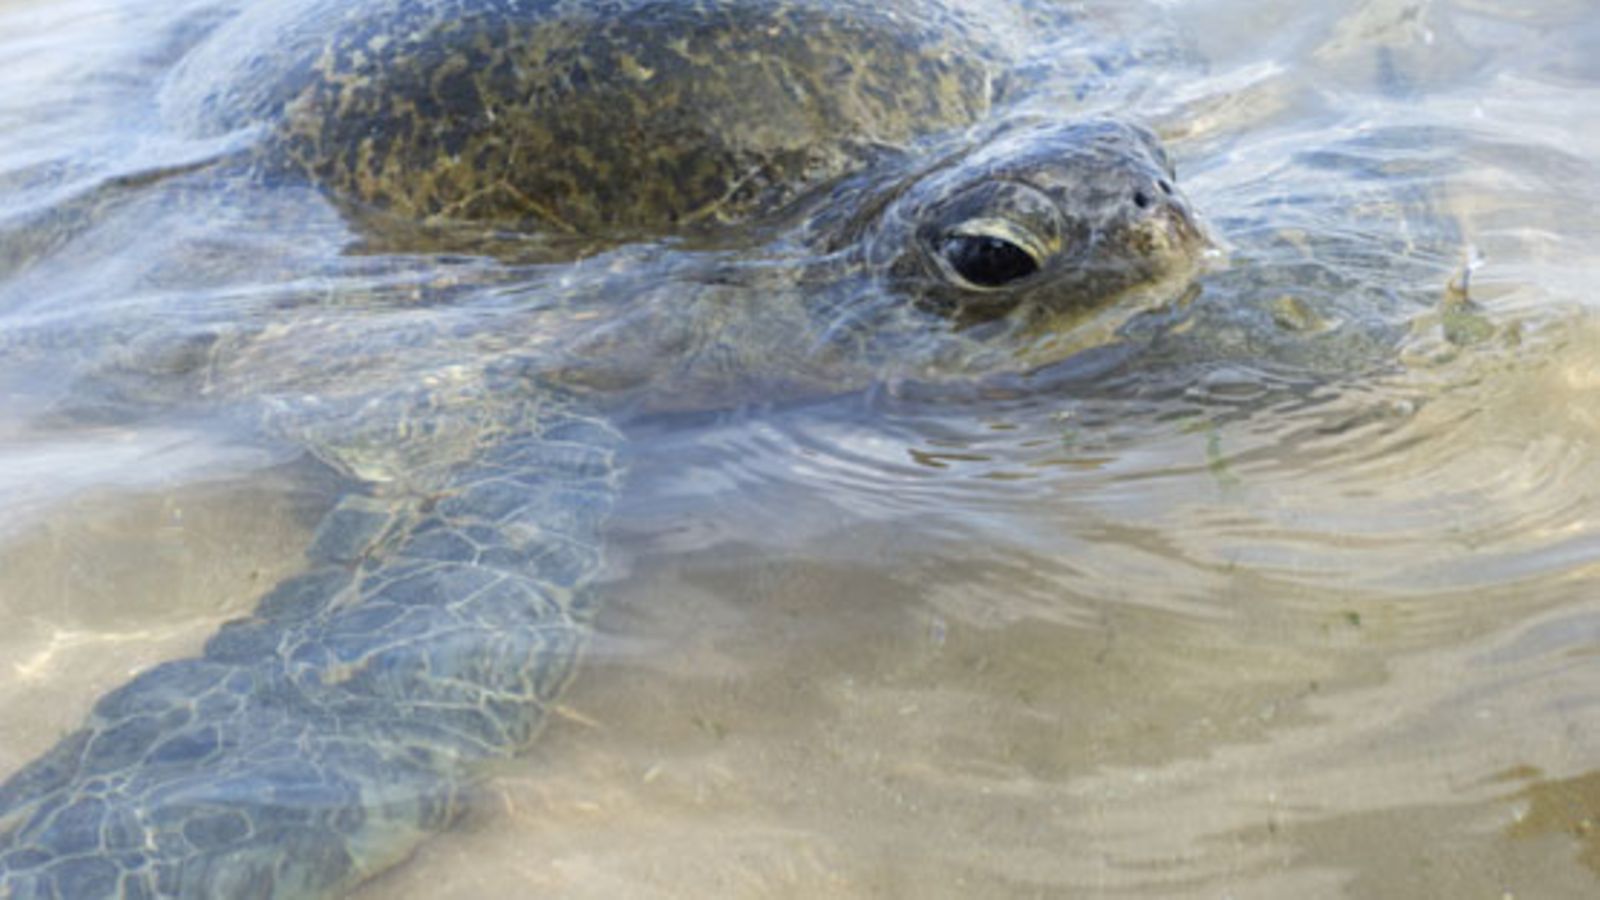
1300 609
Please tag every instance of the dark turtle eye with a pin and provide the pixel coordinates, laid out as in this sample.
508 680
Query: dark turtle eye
987 261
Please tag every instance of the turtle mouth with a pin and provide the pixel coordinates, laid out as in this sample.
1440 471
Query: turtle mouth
1184 232
1159 224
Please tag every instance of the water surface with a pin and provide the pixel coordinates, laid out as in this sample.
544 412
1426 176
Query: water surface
1307 608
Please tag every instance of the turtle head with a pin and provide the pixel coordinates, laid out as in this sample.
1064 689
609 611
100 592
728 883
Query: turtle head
1058 218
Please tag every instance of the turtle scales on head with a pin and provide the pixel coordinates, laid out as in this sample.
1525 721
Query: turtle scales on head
903 167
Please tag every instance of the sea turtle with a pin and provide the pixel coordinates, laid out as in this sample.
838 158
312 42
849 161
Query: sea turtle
724 197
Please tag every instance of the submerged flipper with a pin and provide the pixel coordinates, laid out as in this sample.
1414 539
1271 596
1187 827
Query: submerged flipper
316 742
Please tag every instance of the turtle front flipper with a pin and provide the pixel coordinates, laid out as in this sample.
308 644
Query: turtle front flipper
316 742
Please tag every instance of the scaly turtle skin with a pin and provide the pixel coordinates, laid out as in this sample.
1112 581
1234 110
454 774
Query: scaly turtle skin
834 191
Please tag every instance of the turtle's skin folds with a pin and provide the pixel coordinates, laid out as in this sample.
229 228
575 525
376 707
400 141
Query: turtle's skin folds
943 224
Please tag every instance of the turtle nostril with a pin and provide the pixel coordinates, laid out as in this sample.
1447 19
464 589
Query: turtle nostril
1141 199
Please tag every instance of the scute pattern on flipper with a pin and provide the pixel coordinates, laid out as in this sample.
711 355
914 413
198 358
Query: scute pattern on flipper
319 739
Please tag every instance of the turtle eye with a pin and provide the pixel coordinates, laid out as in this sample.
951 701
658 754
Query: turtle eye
987 261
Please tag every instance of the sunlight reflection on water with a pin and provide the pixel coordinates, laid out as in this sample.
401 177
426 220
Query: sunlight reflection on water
1253 610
